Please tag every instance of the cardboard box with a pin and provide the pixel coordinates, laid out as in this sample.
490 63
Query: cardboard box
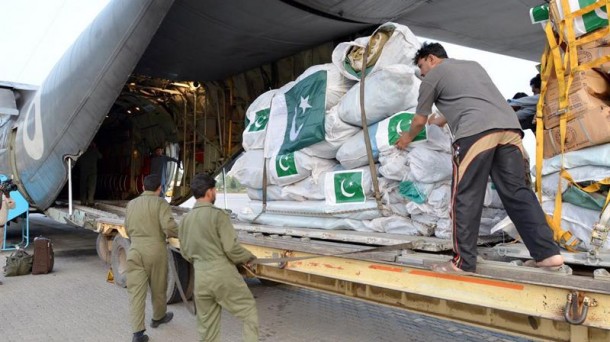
588 93
586 55
588 130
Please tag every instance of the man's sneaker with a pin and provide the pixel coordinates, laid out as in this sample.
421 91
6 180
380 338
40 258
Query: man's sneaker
139 337
168 317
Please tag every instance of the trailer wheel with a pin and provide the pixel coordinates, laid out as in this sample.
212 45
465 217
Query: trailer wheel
103 246
186 274
120 246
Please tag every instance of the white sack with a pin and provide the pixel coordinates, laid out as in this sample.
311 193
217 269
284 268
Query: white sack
274 193
428 166
348 187
336 132
579 221
383 135
393 165
298 109
357 211
389 131
443 229
329 223
296 166
352 153
258 116
388 90
492 198
591 156
398 225
579 174
400 48
248 169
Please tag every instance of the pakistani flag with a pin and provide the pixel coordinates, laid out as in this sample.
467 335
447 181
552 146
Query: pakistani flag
589 21
260 121
539 14
346 187
390 129
285 165
305 104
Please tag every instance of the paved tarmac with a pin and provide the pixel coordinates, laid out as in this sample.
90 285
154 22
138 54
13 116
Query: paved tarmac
75 303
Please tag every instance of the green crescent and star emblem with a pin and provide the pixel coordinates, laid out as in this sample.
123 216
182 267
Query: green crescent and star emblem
348 187
260 120
399 123
306 107
594 19
285 165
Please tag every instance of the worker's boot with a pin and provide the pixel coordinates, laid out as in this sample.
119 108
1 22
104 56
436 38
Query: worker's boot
139 337
168 317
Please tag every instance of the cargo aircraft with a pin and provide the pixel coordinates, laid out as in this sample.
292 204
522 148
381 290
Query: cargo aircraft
179 74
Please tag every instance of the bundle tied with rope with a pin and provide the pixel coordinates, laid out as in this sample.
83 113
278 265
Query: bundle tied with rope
559 63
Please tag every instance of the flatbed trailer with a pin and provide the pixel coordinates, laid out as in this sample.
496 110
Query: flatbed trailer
572 305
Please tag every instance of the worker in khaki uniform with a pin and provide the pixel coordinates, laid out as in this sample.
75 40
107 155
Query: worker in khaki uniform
148 221
208 240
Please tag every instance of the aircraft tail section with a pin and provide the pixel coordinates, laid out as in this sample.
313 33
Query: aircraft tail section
58 120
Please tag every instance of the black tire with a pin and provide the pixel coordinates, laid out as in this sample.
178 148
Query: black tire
103 246
186 274
118 259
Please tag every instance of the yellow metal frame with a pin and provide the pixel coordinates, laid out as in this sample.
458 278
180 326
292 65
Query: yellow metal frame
523 309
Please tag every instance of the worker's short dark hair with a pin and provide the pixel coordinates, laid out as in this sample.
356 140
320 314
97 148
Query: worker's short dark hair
201 183
152 182
536 82
519 95
428 49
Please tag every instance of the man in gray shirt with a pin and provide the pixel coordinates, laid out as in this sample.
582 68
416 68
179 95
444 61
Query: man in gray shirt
487 142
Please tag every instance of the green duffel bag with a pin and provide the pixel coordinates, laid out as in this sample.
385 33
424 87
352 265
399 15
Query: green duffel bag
18 263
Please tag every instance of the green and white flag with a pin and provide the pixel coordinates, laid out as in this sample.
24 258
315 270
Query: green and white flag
539 14
257 118
589 21
260 121
297 116
285 165
345 187
293 167
390 129
305 104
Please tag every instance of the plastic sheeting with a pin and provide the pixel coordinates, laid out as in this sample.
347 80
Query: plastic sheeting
577 220
388 90
592 156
